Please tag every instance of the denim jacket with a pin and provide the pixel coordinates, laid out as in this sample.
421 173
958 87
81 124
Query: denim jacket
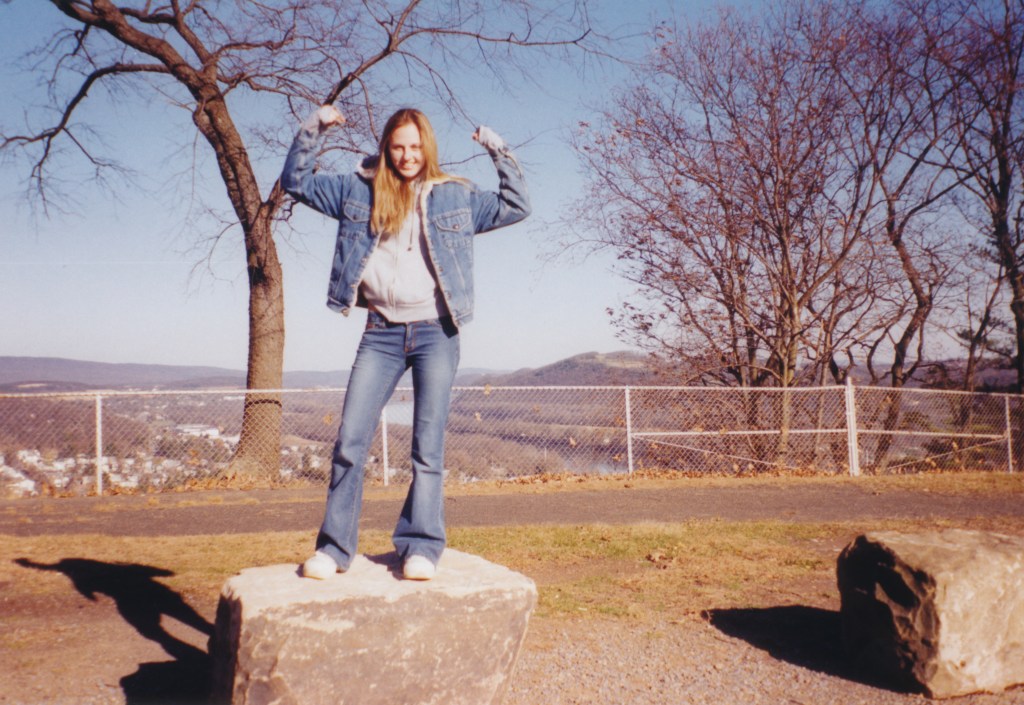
455 211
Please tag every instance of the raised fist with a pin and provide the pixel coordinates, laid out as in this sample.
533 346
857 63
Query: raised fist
489 139
323 118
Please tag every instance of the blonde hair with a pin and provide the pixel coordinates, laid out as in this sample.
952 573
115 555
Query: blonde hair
394 197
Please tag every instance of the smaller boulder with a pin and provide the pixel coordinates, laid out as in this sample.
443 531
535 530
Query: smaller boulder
940 611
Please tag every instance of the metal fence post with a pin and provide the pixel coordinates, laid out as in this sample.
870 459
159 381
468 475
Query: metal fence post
629 433
384 443
853 451
99 445
1009 435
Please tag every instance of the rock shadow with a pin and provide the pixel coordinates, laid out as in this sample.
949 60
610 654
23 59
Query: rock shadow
808 637
142 602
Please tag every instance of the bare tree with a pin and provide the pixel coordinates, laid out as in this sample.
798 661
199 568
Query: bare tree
720 179
900 122
981 46
893 135
779 188
716 181
210 58
984 333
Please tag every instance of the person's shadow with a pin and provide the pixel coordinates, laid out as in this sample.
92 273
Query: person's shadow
142 601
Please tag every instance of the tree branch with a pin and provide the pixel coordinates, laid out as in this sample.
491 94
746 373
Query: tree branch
49 135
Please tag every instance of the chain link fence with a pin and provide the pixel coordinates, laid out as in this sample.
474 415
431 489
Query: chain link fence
143 441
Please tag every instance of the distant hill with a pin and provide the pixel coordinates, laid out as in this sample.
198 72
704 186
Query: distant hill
54 374
587 369
636 369
36 374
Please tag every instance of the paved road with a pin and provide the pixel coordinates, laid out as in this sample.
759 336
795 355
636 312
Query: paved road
215 512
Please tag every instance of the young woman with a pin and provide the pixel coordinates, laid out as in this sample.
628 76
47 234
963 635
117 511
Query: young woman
404 251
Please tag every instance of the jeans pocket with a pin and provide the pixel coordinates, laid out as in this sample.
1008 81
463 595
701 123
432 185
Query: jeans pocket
446 324
375 321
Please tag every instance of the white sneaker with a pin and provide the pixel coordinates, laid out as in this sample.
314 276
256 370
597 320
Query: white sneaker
320 566
418 568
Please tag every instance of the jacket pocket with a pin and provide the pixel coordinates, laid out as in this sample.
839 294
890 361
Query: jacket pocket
455 226
356 217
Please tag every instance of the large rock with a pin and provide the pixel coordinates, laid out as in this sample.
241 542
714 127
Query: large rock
367 636
940 611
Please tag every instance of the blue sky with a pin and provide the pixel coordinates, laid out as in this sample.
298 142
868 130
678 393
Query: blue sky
124 274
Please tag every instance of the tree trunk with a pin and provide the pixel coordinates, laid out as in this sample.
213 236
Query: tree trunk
259 448
1003 240
788 357
1016 279
898 372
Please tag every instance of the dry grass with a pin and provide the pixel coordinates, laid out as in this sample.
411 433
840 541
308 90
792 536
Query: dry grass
953 483
642 572
670 571
975 483
645 571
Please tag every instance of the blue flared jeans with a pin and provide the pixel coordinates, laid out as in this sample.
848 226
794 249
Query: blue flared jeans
431 349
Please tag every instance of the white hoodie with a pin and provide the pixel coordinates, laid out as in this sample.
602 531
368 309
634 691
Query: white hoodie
399 281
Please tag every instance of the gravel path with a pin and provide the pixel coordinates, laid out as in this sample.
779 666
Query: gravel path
693 662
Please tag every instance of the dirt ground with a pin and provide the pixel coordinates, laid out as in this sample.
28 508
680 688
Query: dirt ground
116 634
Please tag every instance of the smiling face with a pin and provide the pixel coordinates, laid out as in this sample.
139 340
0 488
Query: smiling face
405 151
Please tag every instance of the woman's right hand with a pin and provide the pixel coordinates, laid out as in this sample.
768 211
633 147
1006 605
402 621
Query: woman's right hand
323 118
